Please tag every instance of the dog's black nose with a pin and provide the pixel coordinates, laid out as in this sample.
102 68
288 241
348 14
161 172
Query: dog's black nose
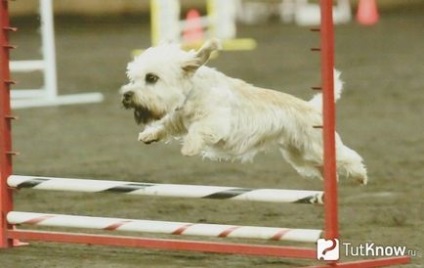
128 95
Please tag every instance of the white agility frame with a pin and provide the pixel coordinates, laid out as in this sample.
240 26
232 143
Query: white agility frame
220 22
48 94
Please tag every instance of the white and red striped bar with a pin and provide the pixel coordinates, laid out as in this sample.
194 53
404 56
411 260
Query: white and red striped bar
171 228
169 190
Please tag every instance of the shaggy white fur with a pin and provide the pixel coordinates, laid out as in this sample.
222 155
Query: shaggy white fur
175 96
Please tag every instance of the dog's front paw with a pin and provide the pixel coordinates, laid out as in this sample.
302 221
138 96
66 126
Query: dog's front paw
148 137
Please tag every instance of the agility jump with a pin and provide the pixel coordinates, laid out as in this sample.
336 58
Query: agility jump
9 232
48 94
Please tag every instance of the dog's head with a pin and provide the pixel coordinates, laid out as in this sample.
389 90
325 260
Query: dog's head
160 79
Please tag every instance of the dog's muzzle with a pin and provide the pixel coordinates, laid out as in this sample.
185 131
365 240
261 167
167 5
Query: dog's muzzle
127 99
142 115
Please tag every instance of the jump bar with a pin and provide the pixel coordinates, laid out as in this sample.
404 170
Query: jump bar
169 190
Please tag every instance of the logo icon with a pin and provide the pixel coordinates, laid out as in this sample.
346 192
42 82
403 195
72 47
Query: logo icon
328 250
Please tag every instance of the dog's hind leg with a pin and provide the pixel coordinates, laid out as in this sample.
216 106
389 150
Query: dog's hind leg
304 168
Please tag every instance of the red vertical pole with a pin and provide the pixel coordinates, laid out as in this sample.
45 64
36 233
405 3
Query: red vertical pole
5 126
327 67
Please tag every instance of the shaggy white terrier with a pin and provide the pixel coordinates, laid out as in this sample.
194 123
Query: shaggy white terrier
174 95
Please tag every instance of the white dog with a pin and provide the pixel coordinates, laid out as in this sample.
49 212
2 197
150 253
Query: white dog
174 95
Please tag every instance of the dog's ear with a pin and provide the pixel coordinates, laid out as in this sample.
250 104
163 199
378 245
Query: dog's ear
202 55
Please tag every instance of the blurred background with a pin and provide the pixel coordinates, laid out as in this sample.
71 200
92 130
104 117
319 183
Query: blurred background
114 7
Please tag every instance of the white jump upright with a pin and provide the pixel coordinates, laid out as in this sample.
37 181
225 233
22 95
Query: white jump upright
47 95
165 20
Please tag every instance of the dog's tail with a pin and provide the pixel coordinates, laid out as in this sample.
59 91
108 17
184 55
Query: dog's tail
316 100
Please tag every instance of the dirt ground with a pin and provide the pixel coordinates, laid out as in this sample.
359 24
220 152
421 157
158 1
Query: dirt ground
380 115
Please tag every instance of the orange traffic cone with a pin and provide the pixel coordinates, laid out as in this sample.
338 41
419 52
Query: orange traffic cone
367 13
193 30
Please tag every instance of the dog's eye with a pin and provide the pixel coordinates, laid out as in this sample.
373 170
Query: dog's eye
151 78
